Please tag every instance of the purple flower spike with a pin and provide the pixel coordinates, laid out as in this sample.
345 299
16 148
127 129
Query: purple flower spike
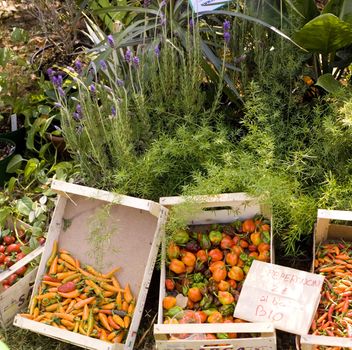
59 80
191 23
120 82
53 79
78 66
163 3
162 18
79 109
227 25
61 91
70 69
146 3
136 61
57 105
76 117
111 41
50 72
157 51
128 55
113 111
227 37
92 88
103 65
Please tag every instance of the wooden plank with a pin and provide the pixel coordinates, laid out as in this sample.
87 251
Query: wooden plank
65 189
66 336
325 340
335 214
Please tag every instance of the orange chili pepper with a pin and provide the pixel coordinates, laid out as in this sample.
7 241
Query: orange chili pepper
81 303
74 294
104 321
53 266
112 323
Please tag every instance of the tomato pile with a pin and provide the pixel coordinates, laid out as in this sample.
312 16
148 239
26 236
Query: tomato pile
206 270
82 300
334 315
10 253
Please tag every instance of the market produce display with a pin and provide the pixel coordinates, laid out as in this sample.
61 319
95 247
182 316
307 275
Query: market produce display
334 314
82 300
206 268
11 244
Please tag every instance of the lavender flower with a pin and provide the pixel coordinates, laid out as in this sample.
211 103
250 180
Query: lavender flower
128 55
57 105
157 51
61 91
113 111
59 80
92 89
191 23
120 82
103 65
227 25
111 41
50 72
78 66
163 3
227 37
162 18
79 109
76 117
136 61
146 3
70 69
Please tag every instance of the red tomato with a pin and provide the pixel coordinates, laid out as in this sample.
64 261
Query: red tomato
20 256
9 239
2 257
21 270
2 248
12 279
15 247
41 240
5 285
8 261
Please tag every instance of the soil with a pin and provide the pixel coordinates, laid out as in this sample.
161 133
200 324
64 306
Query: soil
6 149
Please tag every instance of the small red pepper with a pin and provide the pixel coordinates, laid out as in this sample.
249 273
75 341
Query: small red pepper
345 305
331 310
50 279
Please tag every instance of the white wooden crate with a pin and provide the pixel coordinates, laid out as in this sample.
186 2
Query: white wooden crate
325 230
16 297
222 209
136 226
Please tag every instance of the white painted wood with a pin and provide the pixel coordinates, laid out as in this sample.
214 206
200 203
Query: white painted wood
68 189
27 259
15 299
324 230
242 207
66 336
134 227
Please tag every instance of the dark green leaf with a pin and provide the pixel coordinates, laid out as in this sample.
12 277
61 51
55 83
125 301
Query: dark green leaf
328 83
341 9
24 205
14 163
31 166
324 34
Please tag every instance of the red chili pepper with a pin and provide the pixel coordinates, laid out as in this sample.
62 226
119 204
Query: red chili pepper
345 305
50 279
331 310
330 333
314 325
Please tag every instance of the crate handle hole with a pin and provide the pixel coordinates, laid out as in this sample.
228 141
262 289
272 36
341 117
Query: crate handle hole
217 208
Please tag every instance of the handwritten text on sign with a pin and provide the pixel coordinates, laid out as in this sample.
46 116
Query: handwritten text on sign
206 5
278 294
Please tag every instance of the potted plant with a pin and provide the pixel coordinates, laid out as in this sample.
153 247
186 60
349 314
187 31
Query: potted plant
12 128
7 150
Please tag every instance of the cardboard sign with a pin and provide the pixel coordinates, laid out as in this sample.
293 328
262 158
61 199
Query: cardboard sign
286 297
206 5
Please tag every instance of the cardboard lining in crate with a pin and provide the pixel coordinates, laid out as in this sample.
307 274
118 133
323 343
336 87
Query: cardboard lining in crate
325 230
136 227
16 297
221 209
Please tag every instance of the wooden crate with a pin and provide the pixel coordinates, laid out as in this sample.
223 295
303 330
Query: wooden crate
325 230
136 227
16 298
224 208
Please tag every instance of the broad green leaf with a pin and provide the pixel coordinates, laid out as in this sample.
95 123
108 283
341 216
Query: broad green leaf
5 56
4 213
340 8
32 131
19 35
24 205
43 109
328 83
14 163
43 149
305 8
324 34
31 166
11 184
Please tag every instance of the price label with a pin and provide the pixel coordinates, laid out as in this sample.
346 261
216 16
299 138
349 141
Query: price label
286 297
206 5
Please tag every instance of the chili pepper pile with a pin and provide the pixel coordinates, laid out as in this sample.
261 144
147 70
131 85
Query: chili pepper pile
206 269
334 314
82 300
